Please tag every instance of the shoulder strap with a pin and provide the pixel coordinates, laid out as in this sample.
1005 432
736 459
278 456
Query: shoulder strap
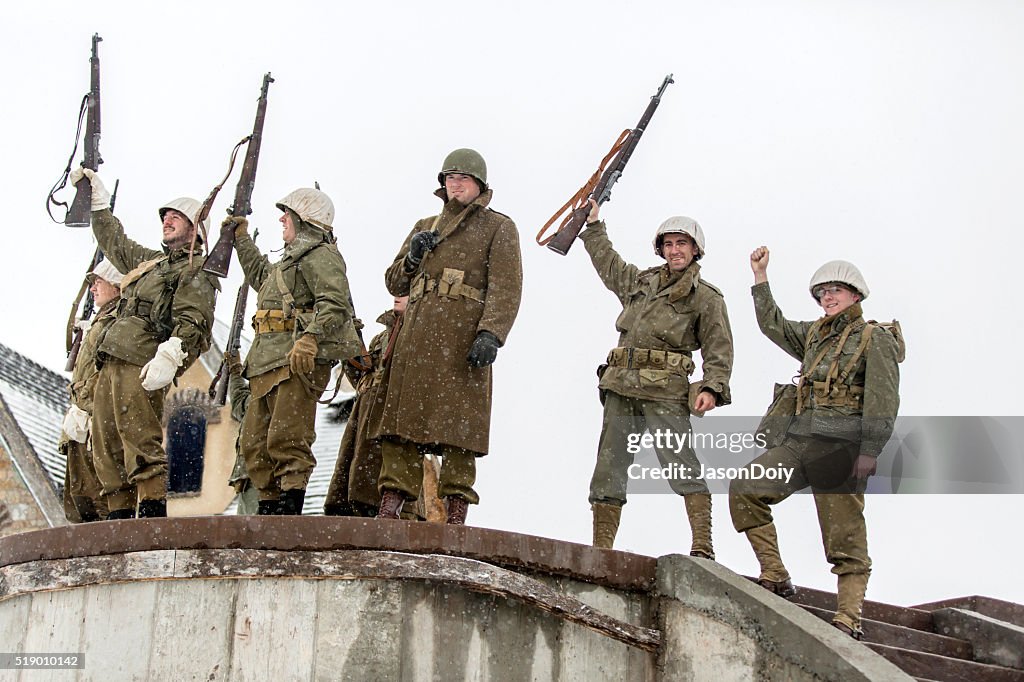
861 347
140 270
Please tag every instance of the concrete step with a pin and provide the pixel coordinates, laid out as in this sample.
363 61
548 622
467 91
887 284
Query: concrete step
916 619
945 669
878 632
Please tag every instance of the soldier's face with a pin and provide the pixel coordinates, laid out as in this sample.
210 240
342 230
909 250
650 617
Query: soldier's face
103 292
678 250
288 233
401 302
177 229
462 188
834 298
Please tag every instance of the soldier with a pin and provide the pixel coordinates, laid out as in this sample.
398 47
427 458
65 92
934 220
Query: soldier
82 490
668 312
846 404
304 325
353 489
163 324
462 271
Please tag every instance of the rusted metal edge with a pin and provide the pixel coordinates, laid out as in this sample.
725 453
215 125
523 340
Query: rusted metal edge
476 576
619 570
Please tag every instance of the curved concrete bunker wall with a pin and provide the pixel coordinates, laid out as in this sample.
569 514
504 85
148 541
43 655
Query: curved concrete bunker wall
314 598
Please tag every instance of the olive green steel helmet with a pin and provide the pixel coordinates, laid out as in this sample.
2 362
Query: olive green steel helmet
465 161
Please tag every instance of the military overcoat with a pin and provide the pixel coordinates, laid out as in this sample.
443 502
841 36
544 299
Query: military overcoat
162 295
472 281
664 318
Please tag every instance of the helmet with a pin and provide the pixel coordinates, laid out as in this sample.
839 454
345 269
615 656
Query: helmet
312 206
187 206
465 161
840 271
105 270
680 224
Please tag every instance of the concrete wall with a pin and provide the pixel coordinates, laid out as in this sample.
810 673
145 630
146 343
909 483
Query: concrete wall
149 625
276 598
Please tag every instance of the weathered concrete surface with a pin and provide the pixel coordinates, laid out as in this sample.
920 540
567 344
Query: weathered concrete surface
717 625
204 614
1008 612
256 598
619 570
994 641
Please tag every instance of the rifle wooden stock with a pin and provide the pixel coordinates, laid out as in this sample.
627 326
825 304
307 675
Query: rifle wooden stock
219 259
602 192
564 238
80 212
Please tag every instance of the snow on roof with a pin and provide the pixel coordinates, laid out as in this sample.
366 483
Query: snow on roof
37 398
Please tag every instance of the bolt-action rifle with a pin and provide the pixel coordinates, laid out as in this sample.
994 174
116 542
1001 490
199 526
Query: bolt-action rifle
219 386
80 212
219 259
75 334
599 187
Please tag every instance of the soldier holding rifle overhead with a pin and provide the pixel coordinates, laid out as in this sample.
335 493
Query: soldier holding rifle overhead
163 325
668 312
304 326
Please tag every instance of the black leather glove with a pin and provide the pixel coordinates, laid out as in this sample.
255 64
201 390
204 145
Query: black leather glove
419 245
484 350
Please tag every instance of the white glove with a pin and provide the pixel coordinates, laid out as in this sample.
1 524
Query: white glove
76 424
100 195
83 325
160 371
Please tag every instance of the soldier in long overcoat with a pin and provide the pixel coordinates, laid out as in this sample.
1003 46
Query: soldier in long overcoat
846 402
164 322
304 325
462 271
668 312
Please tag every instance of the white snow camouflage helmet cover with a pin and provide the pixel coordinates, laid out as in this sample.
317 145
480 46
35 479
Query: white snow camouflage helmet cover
680 224
840 271
312 206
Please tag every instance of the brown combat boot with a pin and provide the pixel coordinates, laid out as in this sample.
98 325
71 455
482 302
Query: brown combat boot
774 576
391 502
850 603
457 510
698 510
606 523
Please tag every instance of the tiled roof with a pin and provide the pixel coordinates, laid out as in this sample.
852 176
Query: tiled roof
37 398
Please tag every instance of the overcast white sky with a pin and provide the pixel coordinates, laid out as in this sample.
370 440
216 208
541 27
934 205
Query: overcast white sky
885 133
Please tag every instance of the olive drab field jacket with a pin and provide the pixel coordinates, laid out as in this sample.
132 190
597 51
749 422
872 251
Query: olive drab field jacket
665 317
83 376
472 281
317 293
849 373
162 295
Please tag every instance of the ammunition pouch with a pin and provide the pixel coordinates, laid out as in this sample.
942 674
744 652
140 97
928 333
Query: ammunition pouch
819 394
646 358
267 321
450 286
